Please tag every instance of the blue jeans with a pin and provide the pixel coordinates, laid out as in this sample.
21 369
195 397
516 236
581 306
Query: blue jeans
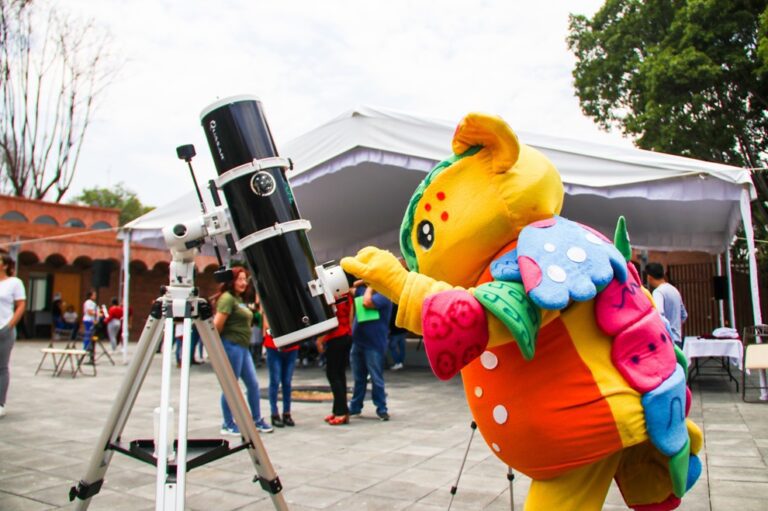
7 340
397 347
195 343
281 365
242 365
87 334
365 361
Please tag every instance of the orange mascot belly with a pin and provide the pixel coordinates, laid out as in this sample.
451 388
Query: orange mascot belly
544 416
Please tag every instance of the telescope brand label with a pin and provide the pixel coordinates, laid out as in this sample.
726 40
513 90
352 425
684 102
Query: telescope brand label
263 184
212 126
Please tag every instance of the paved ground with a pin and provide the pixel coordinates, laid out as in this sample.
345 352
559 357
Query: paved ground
408 463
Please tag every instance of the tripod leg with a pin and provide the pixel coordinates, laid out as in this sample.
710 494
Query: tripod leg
234 396
181 450
511 479
455 487
165 483
121 409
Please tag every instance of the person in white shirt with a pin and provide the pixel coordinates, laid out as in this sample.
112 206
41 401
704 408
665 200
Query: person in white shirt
669 303
13 300
90 315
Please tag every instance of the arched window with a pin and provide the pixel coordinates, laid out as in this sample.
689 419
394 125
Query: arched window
14 216
74 222
46 219
101 224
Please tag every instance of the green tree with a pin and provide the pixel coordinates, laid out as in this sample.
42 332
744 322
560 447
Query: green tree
687 77
117 197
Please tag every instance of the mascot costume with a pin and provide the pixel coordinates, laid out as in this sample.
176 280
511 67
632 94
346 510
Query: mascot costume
569 371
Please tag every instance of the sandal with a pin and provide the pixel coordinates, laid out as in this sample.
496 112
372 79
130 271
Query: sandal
339 420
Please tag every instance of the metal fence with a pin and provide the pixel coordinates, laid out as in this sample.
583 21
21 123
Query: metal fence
695 283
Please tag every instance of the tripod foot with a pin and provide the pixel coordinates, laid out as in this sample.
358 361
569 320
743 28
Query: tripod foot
85 491
274 486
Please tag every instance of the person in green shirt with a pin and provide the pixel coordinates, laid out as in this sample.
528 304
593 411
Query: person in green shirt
233 321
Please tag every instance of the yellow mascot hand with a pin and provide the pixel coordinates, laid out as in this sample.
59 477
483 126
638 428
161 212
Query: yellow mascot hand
380 269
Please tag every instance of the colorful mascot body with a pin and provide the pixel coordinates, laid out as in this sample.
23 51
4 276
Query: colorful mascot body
568 370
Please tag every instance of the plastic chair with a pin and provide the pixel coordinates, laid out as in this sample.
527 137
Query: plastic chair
755 356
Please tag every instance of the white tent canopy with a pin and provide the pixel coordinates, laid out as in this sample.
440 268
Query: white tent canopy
147 228
364 162
354 175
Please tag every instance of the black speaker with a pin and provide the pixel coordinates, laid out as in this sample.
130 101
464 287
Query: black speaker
102 268
720 287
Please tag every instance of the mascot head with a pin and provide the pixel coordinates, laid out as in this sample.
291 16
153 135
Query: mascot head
474 204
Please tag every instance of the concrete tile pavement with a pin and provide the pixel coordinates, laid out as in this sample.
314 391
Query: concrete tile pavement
408 463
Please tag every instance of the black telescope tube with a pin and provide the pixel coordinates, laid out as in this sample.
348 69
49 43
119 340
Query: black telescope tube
282 265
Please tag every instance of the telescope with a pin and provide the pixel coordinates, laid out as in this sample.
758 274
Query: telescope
261 221
296 293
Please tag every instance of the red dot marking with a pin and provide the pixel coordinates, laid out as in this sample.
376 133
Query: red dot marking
444 216
428 207
440 196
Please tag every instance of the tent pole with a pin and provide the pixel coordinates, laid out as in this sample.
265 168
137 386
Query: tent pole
720 304
729 276
746 216
126 289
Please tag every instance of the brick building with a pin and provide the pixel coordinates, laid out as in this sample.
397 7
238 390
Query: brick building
55 246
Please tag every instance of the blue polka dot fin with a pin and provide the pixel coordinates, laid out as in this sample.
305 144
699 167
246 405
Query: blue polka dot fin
573 262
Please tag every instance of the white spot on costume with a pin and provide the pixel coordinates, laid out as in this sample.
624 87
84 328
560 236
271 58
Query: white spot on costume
489 360
556 274
577 254
593 239
500 414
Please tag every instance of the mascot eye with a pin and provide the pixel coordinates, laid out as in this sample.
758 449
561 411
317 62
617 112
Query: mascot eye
425 234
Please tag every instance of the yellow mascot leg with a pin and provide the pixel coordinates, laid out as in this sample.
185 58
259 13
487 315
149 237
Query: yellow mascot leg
581 489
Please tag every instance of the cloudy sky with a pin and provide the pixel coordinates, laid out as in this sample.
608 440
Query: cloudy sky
309 61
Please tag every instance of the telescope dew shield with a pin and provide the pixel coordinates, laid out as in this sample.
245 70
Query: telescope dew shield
265 219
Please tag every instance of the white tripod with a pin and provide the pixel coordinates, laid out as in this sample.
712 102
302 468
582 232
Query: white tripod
179 302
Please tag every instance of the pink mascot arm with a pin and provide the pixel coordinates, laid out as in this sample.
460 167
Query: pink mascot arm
455 331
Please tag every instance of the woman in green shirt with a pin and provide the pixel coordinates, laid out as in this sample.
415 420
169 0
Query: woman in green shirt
233 321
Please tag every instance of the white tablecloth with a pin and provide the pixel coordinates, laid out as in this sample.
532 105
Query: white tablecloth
697 347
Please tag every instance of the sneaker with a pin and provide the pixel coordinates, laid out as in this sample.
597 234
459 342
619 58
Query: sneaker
383 416
397 366
233 431
263 427
288 420
277 421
